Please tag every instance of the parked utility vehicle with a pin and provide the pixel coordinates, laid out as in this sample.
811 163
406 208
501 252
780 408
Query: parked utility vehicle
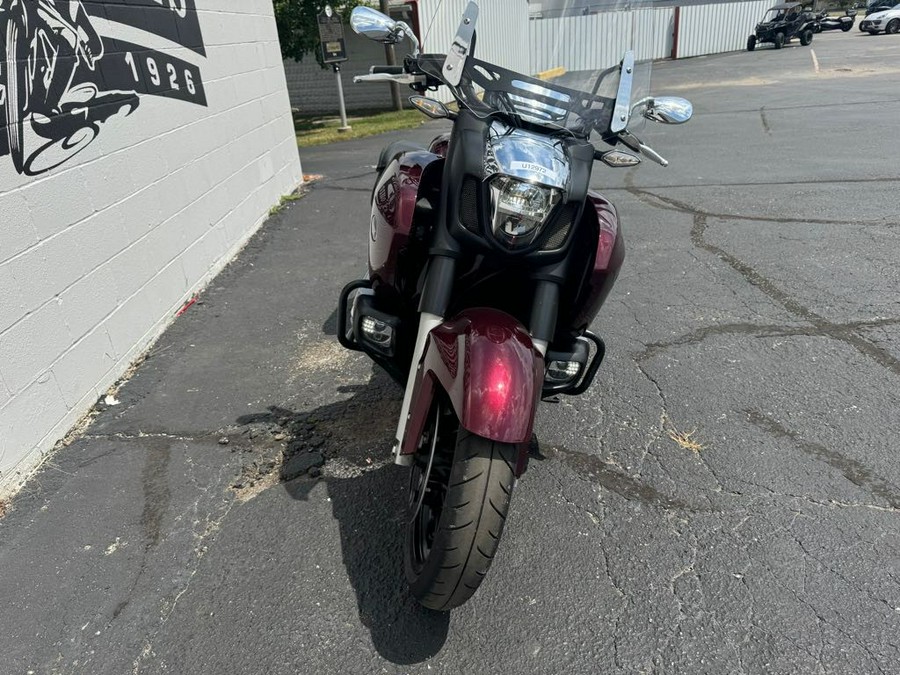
782 23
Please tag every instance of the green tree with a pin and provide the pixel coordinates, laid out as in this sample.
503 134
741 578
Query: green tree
298 29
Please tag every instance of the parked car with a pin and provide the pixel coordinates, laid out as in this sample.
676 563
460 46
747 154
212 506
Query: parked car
825 22
782 23
887 21
878 6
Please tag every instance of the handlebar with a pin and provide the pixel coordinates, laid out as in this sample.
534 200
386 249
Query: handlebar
386 70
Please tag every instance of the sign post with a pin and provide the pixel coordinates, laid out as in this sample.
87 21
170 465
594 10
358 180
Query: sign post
334 51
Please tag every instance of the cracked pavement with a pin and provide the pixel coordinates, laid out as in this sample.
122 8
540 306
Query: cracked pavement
758 308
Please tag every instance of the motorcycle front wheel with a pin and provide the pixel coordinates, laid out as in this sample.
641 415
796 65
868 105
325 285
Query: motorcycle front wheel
16 55
459 494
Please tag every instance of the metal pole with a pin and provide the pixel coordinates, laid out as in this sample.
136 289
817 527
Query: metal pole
391 60
344 126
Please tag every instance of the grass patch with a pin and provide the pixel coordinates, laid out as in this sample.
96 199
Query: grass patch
319 130
685 439
3 508
285 200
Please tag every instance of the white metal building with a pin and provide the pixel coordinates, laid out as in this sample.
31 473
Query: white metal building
528 42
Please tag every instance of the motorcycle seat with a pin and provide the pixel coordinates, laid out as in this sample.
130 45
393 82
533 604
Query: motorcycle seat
393 150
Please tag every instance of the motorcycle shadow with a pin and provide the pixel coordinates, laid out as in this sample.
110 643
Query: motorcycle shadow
368 498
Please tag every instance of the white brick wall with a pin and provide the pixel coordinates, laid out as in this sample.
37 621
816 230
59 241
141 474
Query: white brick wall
98 253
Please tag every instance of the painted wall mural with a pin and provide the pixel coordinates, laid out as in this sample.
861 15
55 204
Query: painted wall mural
62 77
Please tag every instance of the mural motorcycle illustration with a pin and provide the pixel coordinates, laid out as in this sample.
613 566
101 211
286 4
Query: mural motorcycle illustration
61 80
489 260
47 43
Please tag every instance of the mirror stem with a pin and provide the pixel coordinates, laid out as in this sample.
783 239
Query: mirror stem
411 35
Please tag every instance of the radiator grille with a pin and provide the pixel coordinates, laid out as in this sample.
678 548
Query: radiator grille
560 231
468 204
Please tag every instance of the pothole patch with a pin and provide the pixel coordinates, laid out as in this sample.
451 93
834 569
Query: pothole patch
344 439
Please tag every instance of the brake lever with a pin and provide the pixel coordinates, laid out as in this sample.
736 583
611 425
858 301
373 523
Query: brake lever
406 78
652 154
630 140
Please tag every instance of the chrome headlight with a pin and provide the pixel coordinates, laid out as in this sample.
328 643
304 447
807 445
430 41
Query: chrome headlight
528 174
519 210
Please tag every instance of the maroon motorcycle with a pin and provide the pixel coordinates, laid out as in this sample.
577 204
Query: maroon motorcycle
489 258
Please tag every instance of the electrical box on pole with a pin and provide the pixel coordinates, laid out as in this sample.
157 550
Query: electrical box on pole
334 51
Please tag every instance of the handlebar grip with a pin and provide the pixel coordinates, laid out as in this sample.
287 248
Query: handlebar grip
387 70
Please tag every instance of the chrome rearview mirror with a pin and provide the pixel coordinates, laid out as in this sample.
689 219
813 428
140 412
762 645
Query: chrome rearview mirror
668 110
375 25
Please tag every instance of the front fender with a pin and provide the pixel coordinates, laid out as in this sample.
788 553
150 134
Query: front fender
491 372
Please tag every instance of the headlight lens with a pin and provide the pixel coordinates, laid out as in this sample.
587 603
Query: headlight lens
519 210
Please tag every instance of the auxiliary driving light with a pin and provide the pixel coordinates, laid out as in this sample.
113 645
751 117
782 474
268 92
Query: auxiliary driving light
374 331
380 333
563 371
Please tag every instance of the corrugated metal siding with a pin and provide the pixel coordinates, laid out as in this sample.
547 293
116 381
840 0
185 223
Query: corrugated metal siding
533 46
724 27
590 42
506 48
599 40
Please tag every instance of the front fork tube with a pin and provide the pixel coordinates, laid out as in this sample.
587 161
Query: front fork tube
427 323
432 307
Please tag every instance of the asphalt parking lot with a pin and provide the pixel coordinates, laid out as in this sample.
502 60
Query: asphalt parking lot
724 499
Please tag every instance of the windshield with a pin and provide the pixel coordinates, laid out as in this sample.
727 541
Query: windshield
553 63
777 14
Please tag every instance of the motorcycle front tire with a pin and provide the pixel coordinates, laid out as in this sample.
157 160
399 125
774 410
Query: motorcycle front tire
16 91
465 535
